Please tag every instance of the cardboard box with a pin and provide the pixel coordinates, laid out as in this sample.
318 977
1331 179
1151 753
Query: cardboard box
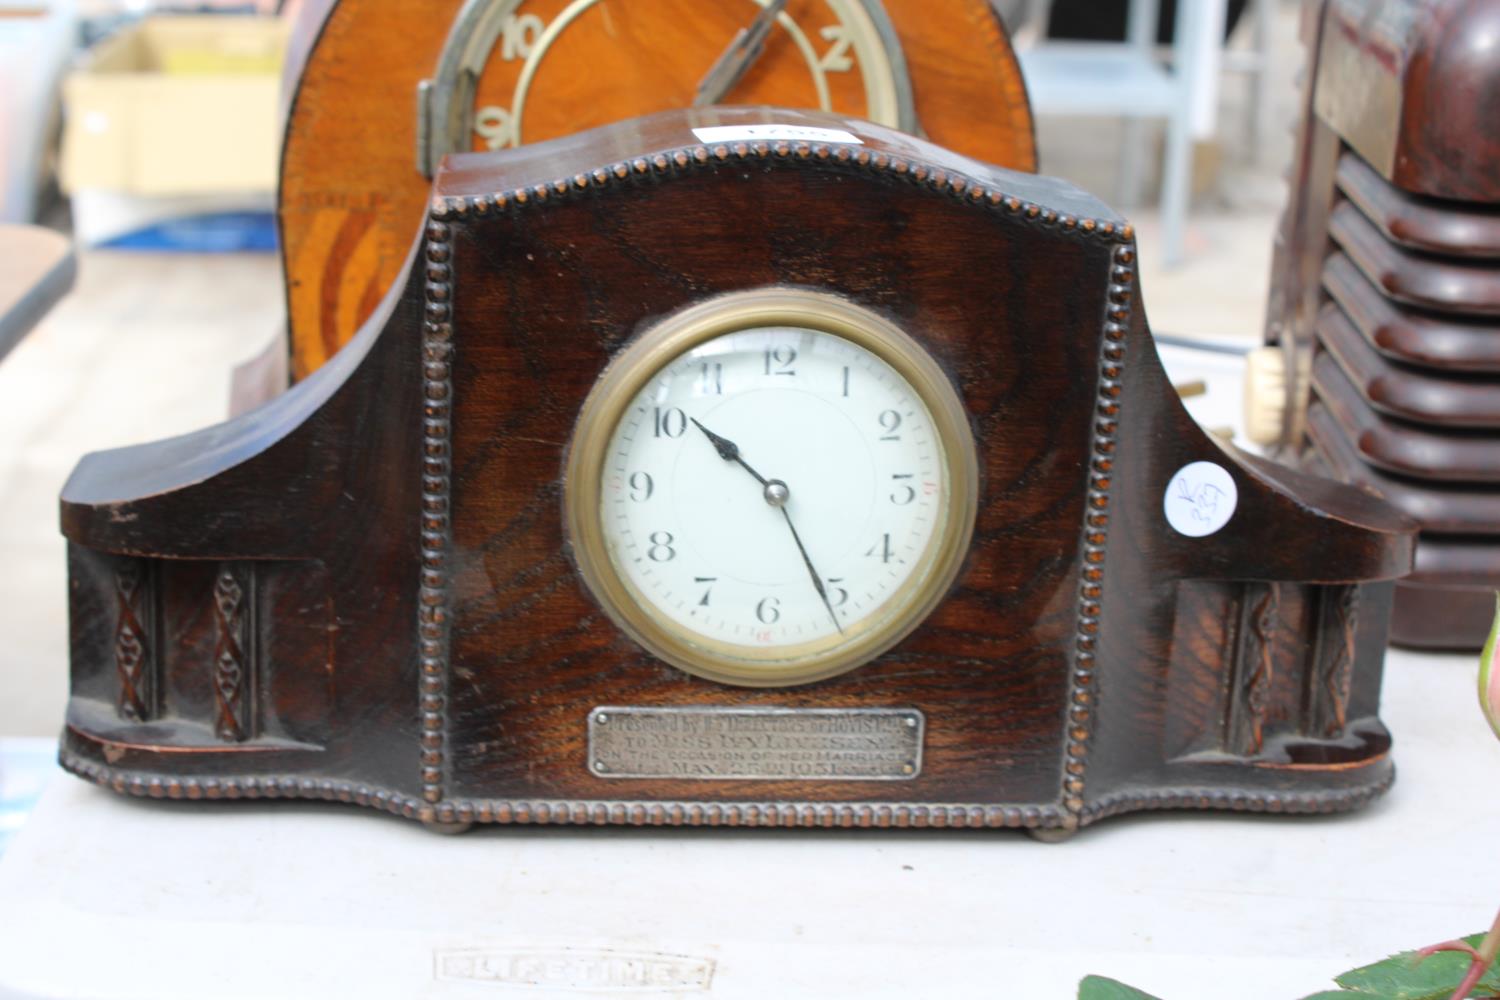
177 106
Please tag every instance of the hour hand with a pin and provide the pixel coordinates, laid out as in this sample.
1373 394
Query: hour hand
727 449
775 490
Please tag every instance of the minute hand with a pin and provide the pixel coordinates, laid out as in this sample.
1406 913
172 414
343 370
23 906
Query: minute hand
816 579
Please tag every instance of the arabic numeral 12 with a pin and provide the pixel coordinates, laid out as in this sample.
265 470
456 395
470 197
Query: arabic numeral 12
779 360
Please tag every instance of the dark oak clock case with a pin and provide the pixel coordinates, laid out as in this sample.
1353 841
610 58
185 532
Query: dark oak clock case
362 591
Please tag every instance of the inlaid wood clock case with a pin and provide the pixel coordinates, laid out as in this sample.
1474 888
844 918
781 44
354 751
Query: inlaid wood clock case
368 589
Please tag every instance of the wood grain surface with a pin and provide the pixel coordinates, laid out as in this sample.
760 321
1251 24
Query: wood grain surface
351 198
413 633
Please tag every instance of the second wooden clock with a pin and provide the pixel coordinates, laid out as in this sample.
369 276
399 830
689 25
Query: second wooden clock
389 87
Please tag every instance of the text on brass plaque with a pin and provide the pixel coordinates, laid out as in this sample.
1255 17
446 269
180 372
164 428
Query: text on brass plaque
869 744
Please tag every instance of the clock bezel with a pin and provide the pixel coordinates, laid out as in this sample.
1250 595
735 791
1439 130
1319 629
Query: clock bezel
661 345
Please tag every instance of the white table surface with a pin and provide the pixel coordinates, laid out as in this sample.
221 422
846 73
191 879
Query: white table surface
103 896
108 897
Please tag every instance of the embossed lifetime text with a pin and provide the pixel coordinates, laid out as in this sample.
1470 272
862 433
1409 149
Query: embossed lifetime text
592 971
876 744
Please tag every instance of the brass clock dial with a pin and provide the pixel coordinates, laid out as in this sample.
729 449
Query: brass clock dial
771 487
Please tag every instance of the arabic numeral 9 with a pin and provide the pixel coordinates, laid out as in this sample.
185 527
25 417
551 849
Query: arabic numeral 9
641 486
496 127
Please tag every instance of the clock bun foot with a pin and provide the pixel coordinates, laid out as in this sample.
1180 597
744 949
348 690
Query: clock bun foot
1051 834
447 829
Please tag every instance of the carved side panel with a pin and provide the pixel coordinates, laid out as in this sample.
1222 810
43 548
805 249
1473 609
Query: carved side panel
1332 667
1254 669
135 640
234 664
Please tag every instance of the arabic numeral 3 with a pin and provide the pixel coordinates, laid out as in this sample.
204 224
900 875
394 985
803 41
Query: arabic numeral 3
904 493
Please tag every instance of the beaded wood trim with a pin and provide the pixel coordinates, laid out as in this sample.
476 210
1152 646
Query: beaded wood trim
433 590
447 210
685 160
590 812
1082 694
1239 800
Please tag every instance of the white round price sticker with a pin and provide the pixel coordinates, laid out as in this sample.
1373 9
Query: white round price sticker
1200 499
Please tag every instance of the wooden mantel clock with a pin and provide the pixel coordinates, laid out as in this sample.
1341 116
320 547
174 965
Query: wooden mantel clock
735 467
384 88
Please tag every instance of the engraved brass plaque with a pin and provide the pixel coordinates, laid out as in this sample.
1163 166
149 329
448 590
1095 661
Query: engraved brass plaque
858 744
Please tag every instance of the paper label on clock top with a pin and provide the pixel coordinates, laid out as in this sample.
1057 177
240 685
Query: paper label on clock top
775 133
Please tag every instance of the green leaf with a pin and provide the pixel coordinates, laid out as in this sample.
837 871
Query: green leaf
1336 995
1099 988
1401 977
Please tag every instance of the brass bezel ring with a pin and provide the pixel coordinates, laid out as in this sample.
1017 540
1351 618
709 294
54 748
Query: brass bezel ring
642 360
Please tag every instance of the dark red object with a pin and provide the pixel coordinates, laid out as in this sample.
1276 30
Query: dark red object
1386 291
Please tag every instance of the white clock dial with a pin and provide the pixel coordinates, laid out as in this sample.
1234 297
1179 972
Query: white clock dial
771 487
822 516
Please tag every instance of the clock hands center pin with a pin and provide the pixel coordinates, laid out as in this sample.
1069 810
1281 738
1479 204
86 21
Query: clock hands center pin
777 494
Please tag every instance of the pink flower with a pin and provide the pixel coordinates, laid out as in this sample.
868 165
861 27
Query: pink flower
1489 675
